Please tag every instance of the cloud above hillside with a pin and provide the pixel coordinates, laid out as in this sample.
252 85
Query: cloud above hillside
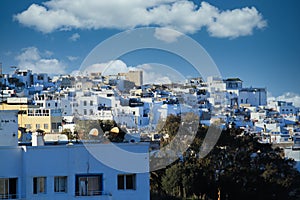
182 15
290 97
39 62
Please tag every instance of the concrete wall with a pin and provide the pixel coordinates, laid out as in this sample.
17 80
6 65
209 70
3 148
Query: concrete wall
25 163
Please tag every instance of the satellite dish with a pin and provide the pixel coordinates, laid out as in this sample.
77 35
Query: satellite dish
94 132
19 134
115 130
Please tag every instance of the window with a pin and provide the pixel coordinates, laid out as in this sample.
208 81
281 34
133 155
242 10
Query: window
84 111
84 103
28 126
37 126
30 113
89 185
53 126
60 184
46 126
8 188
127 182
39 185
91 103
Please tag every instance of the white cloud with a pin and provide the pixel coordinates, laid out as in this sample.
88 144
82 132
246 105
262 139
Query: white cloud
155 73
167 35
290 97
31 58
235 23
72 58
181 15
74 37
109 68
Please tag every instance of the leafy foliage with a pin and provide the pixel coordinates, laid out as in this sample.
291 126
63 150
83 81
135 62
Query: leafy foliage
239 167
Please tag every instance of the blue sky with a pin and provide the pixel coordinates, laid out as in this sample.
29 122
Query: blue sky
256 40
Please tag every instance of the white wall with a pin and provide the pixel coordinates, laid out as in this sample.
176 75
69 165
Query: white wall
253 97
60 160
8 127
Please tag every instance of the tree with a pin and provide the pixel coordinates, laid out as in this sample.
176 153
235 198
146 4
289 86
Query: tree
170 125
239 167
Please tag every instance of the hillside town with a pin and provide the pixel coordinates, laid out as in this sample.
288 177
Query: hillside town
41 118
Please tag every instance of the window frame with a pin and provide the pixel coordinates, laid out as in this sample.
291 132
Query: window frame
124 183
38 126
84 189
39 187
58 181
9 189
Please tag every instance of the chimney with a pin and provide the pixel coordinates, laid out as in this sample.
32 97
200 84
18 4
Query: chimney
38 139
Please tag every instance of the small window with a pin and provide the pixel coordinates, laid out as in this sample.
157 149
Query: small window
28 126
39 185
85 112
91 103
91 112
84 103
37 126
127 182
8 188
46 126
60 184
53 126
89 185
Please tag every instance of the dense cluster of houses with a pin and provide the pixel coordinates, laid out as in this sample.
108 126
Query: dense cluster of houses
51 104
31 103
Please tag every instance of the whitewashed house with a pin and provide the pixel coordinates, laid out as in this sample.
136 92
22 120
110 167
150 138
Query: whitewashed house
78 171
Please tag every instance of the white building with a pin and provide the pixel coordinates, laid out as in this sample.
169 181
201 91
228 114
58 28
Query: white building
24 76
78 171
293 154
253 96
217 90
258 116
8 128
286 108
